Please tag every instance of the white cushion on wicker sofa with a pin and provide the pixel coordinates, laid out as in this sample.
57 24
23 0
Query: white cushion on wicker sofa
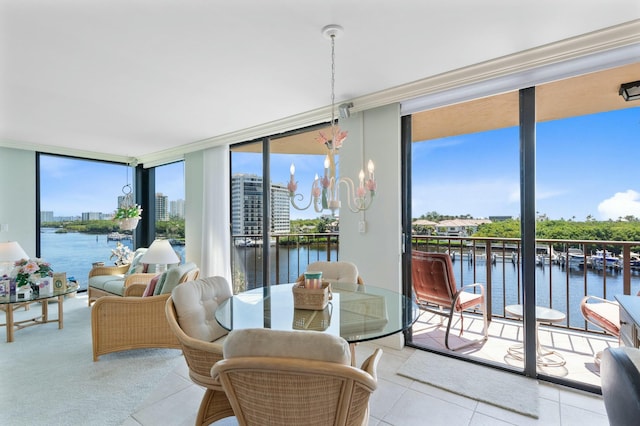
115 283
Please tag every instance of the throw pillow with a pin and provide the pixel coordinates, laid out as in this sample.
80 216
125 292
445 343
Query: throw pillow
136 266
151 286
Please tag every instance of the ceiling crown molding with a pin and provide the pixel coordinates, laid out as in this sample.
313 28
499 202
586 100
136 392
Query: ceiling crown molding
70 152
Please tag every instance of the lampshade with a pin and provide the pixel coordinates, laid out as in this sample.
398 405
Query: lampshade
11 252
160 253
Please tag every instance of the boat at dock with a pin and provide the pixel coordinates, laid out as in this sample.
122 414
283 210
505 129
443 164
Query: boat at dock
545 256
604 259
116 236
574 258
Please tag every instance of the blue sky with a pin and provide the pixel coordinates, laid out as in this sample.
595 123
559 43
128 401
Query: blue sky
70 187
585 166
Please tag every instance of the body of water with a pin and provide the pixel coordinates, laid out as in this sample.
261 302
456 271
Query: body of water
74 252
556 287
292 261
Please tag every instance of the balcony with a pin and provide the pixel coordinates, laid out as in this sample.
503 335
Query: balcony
562 280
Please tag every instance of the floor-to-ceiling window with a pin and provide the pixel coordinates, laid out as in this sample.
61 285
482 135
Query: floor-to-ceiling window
77 202
585 195
465 175
247 212
169 205
274 240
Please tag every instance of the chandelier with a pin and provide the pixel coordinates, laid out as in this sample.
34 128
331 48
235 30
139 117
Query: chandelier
325 191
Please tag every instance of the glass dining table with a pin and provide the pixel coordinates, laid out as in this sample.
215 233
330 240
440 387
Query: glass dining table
355 312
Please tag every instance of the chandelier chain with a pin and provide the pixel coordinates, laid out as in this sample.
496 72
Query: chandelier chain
333 84
324 190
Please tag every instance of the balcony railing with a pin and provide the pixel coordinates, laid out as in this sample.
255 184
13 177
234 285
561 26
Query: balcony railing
561 283
289 253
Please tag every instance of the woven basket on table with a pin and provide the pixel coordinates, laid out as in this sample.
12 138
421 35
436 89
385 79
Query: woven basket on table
311 298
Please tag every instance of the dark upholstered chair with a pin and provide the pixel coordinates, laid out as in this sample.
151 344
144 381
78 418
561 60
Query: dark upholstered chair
620 380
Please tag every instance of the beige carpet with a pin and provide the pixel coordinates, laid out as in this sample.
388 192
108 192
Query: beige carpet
506 390
48 376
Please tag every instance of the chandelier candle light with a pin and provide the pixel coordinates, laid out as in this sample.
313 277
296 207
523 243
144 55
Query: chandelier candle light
325 192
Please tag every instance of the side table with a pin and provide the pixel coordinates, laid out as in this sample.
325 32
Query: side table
9 303
629 320
544 356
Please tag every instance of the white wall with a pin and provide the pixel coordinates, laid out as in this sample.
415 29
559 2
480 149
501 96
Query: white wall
18 197
207 224
194 201
377 252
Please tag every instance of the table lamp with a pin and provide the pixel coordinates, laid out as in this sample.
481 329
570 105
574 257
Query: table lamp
10 252
160 253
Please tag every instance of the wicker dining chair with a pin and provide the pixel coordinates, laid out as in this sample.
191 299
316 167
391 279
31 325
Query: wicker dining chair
190 312
275 377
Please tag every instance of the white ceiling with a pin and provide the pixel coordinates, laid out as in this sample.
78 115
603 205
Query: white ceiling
137 77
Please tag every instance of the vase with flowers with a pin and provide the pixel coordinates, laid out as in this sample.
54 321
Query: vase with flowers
28 272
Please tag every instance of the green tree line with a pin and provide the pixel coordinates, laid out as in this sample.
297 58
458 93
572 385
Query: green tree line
173 228
566 230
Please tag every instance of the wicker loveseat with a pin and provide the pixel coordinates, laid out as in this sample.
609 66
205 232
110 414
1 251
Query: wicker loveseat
123 280
125 323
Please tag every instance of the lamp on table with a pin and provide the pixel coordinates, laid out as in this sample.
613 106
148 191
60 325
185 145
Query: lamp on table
10 252
161 254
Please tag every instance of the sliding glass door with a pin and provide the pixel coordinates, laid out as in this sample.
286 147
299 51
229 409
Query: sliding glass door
532 195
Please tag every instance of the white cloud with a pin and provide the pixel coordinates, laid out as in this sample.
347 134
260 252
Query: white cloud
548 194
620 205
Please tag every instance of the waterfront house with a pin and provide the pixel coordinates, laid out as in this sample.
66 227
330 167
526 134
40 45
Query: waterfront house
186 81
459 227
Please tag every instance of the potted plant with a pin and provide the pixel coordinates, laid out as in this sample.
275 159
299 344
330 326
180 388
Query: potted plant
128 216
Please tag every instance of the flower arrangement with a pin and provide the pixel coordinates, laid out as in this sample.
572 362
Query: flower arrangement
128 212
122 254
30 271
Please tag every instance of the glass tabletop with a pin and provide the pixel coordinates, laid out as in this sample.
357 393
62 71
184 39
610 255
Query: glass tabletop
356 312
33 297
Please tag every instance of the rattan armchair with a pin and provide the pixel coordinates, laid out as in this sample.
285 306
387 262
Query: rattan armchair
125 323
274 377
200 336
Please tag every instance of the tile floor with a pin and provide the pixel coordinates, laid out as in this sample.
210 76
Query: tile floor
397 401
